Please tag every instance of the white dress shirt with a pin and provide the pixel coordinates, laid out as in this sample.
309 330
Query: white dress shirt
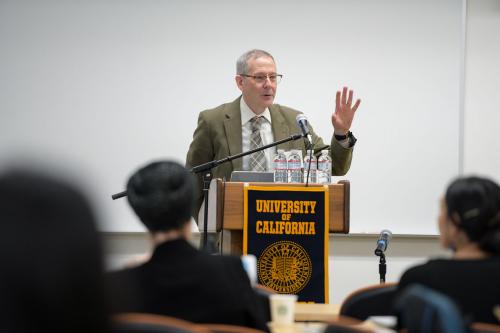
266 133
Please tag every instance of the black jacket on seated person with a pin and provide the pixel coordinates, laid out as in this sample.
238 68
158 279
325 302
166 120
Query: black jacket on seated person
473 284
183 282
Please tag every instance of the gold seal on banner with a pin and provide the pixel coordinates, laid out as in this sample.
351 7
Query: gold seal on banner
285 267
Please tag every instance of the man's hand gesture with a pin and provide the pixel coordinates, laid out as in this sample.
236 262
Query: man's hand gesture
344 111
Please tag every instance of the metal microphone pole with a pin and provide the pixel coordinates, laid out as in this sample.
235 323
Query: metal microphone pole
382 268
309 147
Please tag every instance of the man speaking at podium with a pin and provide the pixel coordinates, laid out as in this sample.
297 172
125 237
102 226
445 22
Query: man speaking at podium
252 120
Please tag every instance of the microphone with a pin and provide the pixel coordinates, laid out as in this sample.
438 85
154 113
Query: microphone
302 123
383 241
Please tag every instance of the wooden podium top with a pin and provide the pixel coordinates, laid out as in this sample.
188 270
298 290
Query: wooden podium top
230 208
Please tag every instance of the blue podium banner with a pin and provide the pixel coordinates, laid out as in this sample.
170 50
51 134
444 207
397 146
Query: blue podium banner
286 228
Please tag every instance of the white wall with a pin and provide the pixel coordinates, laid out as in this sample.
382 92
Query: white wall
482 82
109 85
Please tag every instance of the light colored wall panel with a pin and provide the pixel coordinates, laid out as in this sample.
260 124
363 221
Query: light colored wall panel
482 97
106 86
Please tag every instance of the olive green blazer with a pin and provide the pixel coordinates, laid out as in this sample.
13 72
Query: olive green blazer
218 135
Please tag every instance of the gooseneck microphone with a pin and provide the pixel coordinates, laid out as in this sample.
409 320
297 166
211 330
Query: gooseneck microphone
383 242
304 128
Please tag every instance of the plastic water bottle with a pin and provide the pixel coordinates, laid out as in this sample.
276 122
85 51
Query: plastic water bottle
294 167
324 168
280 167
310 159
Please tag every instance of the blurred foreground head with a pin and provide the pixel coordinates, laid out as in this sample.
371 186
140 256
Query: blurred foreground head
51 278
471 207
162 195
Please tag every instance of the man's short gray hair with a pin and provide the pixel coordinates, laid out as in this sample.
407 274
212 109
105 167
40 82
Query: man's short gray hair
242 62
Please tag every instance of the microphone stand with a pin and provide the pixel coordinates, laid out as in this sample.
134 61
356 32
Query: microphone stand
309 147
382 268
207 176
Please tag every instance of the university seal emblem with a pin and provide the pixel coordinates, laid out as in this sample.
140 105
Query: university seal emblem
285 267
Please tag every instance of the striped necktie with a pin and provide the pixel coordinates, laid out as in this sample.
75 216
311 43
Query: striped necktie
258 159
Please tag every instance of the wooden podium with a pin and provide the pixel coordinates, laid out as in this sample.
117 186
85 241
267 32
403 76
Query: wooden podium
226 210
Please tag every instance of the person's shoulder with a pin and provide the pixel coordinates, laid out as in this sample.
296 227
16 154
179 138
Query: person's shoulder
429 271
223 259
124 273
445 265
417 273
415 270
233 268
231 259
431 264
227 263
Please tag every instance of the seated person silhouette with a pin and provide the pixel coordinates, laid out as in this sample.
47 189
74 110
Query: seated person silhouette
179 280
469 225
52 277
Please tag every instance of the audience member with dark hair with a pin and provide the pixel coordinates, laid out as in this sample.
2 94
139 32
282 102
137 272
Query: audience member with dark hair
51 279
469 224
179 280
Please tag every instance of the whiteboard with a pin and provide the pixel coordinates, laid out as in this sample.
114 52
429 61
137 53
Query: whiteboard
482 117
103 87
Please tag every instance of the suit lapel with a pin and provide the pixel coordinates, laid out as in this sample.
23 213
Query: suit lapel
280 127
232 126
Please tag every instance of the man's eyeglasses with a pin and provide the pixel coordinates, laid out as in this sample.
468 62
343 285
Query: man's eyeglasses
274 78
